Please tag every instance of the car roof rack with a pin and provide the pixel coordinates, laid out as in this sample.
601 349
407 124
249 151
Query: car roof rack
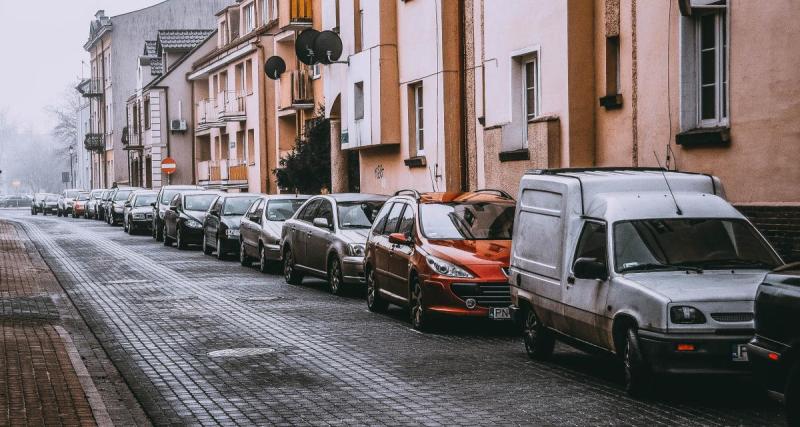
501 193
557 171
407 192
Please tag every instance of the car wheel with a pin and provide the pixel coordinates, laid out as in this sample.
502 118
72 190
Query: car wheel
539 341
179 240
420 319
335 279
244 260
263 262
58 213
206 249
637 373
791 396
290 273
125 226
220 250
167 241
375 303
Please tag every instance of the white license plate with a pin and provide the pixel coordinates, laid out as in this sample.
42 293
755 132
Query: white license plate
503 313
739 353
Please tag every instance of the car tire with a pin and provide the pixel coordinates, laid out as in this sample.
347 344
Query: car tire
539 341
244 260
220 252
58 213
263 263
179 240
336 283
159 233
207 250
638 379
420 319
166 239
375 303
290 273
792 396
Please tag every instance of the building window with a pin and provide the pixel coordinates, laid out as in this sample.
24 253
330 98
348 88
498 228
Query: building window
269 11
147 113
712 69
613 82
359 26
248 76
417 117
358 100
530 88
249 18
251 147
223 33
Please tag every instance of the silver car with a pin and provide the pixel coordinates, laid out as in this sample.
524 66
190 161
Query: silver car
260 229
326 238
93 203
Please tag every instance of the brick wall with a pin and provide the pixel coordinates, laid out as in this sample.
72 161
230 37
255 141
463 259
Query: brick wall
780 225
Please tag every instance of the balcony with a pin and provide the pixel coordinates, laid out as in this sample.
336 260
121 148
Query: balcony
294 14
206 115
94 142
224 173
234 107
296 90
90 88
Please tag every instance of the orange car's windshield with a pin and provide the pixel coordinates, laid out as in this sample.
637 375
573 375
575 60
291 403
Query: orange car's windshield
467 221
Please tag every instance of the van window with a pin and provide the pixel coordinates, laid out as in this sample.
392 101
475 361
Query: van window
592 243
394 218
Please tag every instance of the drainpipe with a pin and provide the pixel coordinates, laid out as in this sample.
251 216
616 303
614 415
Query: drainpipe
165 119
462 95
262 117
194 136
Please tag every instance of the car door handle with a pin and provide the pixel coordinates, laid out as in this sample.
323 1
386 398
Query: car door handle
571 280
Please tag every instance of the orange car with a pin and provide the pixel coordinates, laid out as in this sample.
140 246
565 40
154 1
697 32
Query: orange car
79 206
441 253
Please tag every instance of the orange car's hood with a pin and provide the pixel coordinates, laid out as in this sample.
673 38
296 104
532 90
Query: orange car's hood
472 252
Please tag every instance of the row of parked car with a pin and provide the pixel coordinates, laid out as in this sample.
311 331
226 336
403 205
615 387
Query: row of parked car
653 266
15 201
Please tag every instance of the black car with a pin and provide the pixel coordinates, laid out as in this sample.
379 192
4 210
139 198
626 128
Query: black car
15 201
138 212
161 205
102 204
116 204
221 227
183 221
775 350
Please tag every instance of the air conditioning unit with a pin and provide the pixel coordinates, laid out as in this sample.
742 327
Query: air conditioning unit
177 125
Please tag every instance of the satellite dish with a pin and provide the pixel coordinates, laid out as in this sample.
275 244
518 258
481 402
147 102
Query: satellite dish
304 46
328 47
274 67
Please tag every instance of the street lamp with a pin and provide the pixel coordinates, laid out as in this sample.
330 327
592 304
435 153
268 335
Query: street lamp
71 173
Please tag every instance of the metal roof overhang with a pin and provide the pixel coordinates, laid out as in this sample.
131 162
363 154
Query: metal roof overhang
221 62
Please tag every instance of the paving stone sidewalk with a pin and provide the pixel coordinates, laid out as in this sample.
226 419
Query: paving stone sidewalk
45 349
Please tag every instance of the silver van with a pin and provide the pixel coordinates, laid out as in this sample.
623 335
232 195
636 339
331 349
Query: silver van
651 265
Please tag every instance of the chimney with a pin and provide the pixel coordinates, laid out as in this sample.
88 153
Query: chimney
100 14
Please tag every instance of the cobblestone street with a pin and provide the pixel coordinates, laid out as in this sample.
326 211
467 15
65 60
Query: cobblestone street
201 341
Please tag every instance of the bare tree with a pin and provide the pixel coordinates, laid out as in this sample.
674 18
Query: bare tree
65 113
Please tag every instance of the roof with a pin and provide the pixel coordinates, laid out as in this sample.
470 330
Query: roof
149 48
165 73
234 195
358 197
156 67
180 39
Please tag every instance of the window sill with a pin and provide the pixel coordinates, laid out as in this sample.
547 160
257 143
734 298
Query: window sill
611 102
416 162
704 137
515 155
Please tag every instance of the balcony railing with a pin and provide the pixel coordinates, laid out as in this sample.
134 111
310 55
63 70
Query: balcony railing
91 88
234 106
94 142
297 90
237 170
294 14
205 113
222 171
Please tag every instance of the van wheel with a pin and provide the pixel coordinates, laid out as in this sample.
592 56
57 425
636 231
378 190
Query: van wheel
290 273
791 396
335 280
637 374
539 341
375 303
420 319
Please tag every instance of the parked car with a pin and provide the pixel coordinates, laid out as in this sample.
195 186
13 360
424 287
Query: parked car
50 204
66 201
260 229
93 202
116 204
102 204
326 238
15 201
183 221
138 212
441 254
161 205
36 203
221 225
775 349
79 204
610 259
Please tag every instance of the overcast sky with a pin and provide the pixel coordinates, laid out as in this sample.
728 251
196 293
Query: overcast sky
43 50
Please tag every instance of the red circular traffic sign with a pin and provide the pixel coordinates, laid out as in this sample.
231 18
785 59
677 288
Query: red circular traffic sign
168 165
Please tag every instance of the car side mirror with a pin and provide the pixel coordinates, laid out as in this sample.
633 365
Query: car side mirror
127 204
400 239
322 223
153 204
590 268
254 218
173 208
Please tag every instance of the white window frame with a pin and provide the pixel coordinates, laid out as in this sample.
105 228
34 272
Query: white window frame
517 129
722 59
534 62
356 116
249 17
269 11
418 105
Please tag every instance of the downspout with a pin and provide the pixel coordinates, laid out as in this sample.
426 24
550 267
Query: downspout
165 119
194 136
462 95
262 103
634 89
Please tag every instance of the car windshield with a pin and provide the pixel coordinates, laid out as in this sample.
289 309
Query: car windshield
467 220
198 202
281 210
357 214
96 194
122 195
52 198
83 196
144 200
167 195
71 194
237 205
675 244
